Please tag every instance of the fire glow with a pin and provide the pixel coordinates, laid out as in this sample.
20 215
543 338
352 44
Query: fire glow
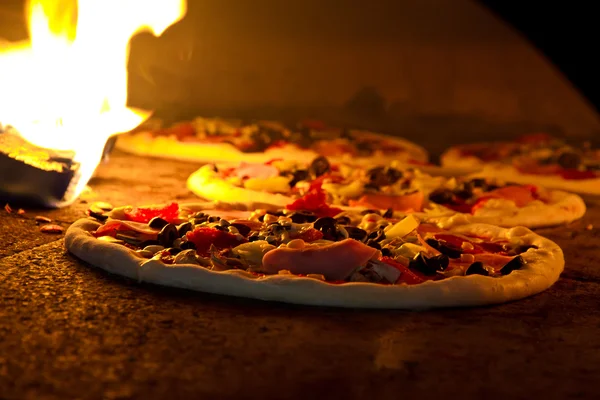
66 87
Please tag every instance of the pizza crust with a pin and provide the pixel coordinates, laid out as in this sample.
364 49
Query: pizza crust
509 173
455 160
144 143
543 268
562 208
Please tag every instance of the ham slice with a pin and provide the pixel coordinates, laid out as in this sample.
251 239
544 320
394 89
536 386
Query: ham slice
259 171
335 261
111 227
521 195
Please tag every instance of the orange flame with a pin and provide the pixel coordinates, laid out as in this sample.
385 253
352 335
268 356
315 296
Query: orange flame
66 88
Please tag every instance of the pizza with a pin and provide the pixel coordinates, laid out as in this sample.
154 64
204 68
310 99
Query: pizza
229 140
321 183
539 158
352 259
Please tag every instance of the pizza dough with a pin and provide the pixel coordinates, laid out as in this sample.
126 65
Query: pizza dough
543 267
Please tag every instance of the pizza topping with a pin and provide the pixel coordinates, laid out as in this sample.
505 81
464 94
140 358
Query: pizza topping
167 235
203 237
429 266
348 254
315 202
112 227
319 166
139 214
366 246
383 176
470 196
255 170
516 263
477 268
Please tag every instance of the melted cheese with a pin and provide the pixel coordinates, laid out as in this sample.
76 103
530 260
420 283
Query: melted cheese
253 252
276 184
352 190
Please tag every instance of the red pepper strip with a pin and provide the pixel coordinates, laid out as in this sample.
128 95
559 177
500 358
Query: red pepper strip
574 174
318 182
139 214
478 248
204 236
310 235
407 276
271 161
314 201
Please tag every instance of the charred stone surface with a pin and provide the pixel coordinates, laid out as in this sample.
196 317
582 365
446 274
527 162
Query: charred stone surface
68 330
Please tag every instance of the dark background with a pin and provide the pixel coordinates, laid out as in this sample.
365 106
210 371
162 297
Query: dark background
419 68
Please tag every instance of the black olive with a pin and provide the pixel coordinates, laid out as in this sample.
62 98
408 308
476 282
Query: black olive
377 235
394 174
297 176
371 186
478 183
520 249
187 245
389 213
593 167
569 160
259 140
439 262
369 211
374 244
327 226
167 235
173 250
441 196
301 217
221 228
419 263
343 220
319 166
184 228
345 133
356 233
464 190
275 228
512 265
199 217
244 230
213 218
382 176
444 248
97 215
386 252
254 237
157 223
477 268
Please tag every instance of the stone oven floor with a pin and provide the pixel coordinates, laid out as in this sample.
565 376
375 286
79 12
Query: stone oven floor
68 330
